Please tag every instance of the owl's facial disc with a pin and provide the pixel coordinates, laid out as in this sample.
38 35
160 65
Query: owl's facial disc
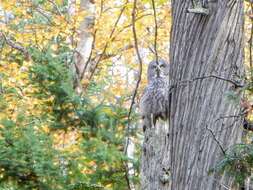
157 69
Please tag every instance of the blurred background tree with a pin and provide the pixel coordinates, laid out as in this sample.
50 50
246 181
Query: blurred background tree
68 72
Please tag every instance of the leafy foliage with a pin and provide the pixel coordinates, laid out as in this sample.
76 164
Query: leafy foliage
237 162
82 136
27 158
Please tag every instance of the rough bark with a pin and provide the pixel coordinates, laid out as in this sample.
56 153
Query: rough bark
155 162
200 129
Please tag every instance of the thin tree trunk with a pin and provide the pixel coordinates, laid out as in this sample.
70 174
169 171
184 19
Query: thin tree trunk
207 54
85 40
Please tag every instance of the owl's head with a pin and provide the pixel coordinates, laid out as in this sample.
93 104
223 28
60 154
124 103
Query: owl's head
158 69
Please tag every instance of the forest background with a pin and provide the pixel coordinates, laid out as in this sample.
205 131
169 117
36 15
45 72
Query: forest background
70 84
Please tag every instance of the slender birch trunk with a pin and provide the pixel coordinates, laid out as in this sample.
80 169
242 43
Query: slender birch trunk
85 40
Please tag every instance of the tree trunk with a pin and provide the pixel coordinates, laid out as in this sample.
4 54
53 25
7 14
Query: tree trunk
206 57
84 45
155 161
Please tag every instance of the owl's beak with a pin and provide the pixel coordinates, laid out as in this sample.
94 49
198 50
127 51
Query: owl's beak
158 70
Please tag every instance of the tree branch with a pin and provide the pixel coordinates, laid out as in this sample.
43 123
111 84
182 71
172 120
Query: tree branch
231 116
221 78
110 37
156 30
15 45
250 45
216 140
140 70
108 56
182 82
56 6
139 77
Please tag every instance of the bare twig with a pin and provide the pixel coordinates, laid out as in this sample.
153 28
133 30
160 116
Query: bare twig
119 51
156 30
140 72
101 7
44 14
250 45
126 176
216 140
182 82
15 45
231 116
56 6
129 25
221 78
186 82
110 37
137 84
221 184
1 86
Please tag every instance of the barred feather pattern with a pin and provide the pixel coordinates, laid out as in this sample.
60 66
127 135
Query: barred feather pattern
154 102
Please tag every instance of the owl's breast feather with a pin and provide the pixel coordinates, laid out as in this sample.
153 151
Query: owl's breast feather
154 97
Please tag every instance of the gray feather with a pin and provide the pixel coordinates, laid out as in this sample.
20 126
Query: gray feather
154 101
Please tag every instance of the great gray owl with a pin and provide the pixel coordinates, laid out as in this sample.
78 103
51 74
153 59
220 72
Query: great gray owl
154 101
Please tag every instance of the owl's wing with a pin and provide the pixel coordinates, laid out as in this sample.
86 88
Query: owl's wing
145 102
146 94
145 108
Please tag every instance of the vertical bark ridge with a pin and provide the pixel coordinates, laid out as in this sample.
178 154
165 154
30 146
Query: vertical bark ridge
200 46
208 46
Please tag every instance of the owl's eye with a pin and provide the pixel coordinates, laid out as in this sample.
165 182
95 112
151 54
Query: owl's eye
162 65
